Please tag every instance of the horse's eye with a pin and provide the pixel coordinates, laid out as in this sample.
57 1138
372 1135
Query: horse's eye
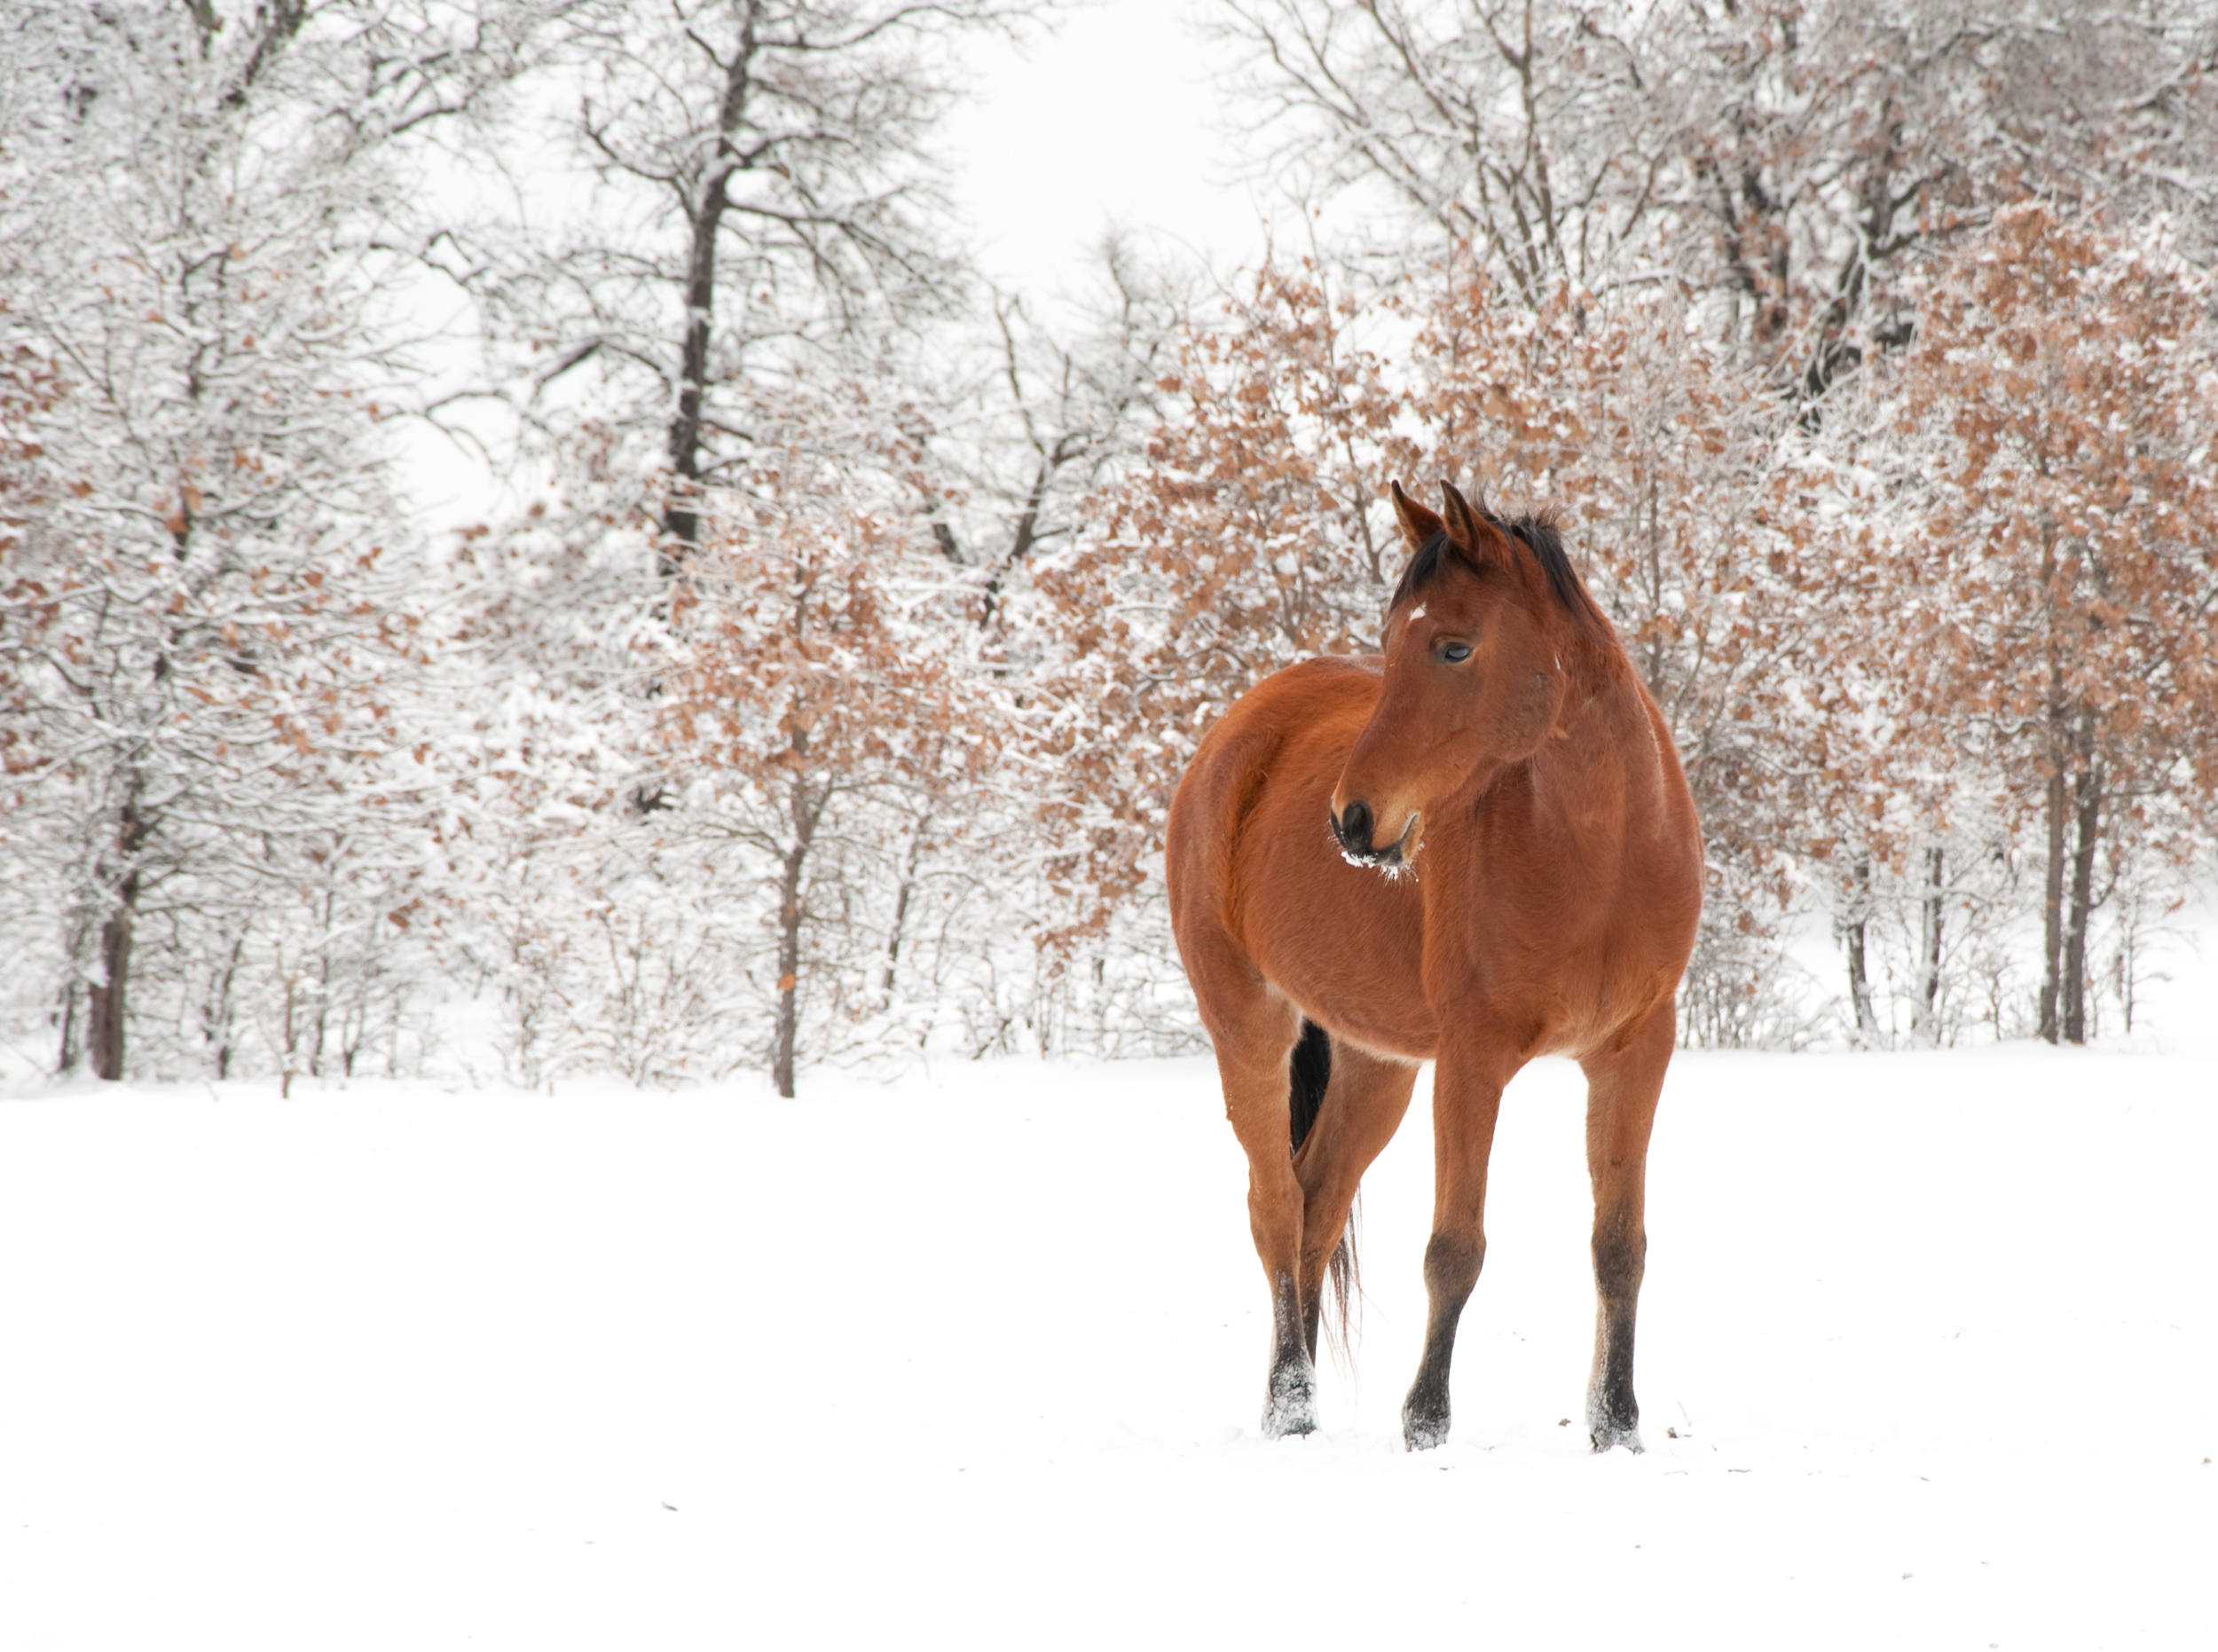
1454 652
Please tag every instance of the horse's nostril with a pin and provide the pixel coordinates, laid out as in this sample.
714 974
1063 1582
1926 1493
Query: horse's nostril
1355 827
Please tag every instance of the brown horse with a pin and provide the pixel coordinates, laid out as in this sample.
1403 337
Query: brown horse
1474 851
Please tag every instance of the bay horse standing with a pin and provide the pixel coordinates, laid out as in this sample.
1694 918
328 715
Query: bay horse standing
1477 849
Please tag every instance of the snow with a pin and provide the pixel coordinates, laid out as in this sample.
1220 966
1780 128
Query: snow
979 1353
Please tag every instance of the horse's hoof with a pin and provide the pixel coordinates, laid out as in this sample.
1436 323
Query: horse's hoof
1604 1430
1630 1438
1422 1433
1292 1407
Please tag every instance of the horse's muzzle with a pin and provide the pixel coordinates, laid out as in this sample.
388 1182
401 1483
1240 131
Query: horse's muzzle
1354 829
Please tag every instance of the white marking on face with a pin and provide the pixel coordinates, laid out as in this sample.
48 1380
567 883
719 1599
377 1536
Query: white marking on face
1417 612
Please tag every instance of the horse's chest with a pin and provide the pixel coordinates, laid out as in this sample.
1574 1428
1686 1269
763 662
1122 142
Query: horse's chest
1523 950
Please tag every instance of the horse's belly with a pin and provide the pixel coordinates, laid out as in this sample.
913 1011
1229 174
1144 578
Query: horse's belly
1380 1008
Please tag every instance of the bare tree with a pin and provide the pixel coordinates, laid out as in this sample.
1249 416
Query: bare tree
1044 415
1521 129
761 192
1796 162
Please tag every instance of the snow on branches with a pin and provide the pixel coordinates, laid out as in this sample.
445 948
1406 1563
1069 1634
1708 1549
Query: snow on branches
2040 570
823 698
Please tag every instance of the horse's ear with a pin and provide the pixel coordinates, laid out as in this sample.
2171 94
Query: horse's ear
1473 534
1418 523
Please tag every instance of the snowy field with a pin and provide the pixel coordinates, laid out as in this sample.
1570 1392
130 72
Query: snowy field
1925 1360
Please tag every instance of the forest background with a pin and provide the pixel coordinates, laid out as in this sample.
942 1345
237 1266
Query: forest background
821 698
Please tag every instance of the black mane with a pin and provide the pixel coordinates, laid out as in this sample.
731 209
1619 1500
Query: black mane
1536 532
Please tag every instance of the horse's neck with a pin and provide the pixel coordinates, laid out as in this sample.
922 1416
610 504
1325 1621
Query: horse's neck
1602 756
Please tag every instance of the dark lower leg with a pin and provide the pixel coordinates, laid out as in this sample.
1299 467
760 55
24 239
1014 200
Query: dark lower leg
1328 1225
1622 1087
1290 1399
1255 1091
1613 1416
1452 1268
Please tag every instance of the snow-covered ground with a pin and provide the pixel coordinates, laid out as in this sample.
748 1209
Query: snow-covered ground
1925 1361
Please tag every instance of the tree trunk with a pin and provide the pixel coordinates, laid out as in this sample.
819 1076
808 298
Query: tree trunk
66 1059
2087 787
105 1028
323 989
106 1004
292 998
2052 915
789 971
216 1022
681 519
2054 708
1930 914
900 910
1859 979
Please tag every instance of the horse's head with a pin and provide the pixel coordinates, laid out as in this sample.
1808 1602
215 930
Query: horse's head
1478 637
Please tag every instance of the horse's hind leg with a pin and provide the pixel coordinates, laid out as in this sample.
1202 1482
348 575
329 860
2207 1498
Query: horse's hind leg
1364 1105
1623 1082
1253 1051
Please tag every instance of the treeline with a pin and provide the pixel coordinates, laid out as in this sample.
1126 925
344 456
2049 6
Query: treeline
825 702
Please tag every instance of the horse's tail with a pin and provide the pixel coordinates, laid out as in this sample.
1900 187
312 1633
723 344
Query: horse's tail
1312 1071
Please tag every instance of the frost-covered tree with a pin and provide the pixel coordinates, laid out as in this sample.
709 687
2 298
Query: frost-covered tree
2044 573
1795 162
205 627
827 710
750 817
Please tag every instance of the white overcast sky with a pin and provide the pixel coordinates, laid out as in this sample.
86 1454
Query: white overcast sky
1109 120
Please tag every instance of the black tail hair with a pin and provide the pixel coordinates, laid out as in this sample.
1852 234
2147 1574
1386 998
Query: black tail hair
1312 1071
1311 1075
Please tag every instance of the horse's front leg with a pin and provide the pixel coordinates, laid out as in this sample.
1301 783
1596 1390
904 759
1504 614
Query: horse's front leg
1466 1101
1623 1083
